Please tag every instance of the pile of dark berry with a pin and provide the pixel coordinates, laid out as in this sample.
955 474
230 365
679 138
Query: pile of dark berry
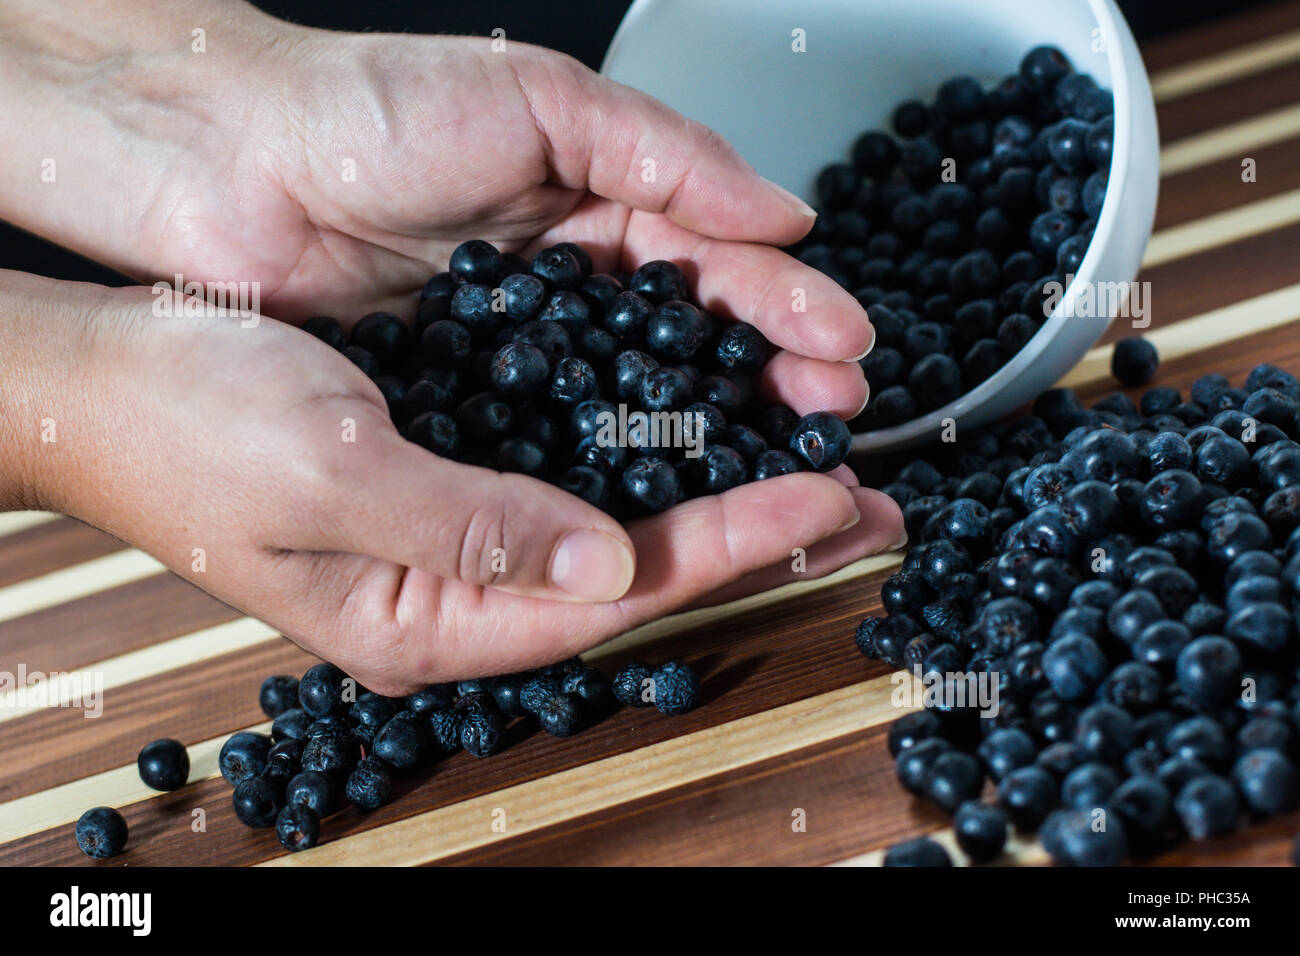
513 365
333 741
952 271
1128 575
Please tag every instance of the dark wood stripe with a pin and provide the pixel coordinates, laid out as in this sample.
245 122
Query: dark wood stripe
763 659
1216 278
52 747
50 547
1221 35
1217 187
117 621
1228 103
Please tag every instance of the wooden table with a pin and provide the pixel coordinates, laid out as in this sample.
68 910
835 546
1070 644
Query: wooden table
794 725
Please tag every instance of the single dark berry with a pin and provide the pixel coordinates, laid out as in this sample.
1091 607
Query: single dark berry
676 688
101 833
298 827
243 756
256 803
164 764
370 785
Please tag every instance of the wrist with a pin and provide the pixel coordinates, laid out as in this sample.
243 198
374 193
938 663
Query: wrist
59 343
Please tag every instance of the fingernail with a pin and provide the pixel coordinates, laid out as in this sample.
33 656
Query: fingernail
902 542
870 345
850 523
593 566
791 200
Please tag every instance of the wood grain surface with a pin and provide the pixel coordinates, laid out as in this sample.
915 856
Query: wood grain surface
785 763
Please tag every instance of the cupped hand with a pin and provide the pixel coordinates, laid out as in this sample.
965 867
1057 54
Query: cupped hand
261 465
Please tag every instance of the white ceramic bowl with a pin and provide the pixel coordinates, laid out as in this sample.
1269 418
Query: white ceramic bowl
730 65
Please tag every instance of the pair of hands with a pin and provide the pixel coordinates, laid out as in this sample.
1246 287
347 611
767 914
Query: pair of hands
338 171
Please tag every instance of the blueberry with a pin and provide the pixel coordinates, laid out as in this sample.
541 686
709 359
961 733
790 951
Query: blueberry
1042 67
981 830
101 833
822 440
650 485
383 335
520 370
774 463
559 715
476 261
401 742
472 307
1067 144
659 281
1028 794
298 827
1073 838
741 346
1048 231
256 804
435 432
1207 806
164 764
574 382
483 726
558 267
675 331
331 752
243 756
1006 749
910 119
321 691
1075 666
327 329
1268 782
921 851
313 789
591 689
291 725
665 389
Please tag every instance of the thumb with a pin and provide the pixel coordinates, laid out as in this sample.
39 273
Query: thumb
393 500
626 146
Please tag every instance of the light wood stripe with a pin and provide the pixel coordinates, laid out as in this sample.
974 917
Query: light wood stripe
1231 65
1223 228
145 663
609 782
78 581
118 788
1233 140
1235 321
11 522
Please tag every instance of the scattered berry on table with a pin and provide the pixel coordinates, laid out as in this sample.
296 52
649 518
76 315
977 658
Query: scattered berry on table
370 785
243 756
298 827
1134 361
164 764
279 693
922 851
101 833
256 802
676 688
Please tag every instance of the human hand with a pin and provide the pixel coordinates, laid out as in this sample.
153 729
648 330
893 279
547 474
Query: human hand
229 437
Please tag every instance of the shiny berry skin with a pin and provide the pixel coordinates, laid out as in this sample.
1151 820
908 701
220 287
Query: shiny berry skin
666 389
741 346
1006 749
659 281
1268 782
434 431
592 690
243 756
402 742
1067 144
822 440
630 370
628 314
920 852
1042 67
1207 806
773 463
1028 795
256 804
1048 231
383 335
101 833
981 830
298 827
313 789
476 261
164 764
676 688
559 715
370 785
1075 666
650 485
291 725
1134 361
520 370
471 306
1209 670
320 691
675 331
558 267
589 484
523 297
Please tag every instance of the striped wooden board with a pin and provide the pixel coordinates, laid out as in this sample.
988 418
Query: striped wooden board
794 724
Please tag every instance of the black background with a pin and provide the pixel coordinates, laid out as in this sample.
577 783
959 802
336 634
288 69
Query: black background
582 29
